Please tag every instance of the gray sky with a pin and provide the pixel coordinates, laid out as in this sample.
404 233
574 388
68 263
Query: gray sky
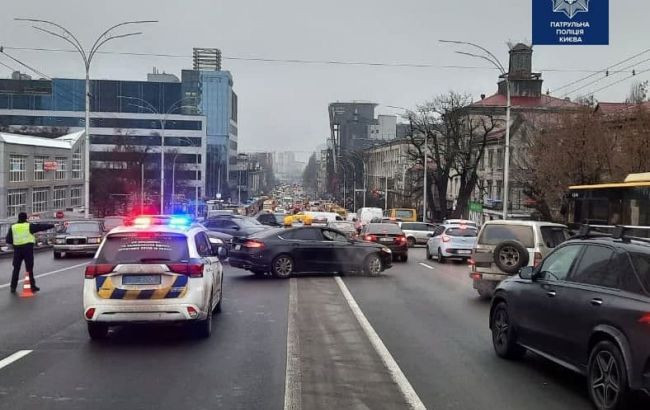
284 106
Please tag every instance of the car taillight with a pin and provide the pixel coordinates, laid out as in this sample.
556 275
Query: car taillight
98 270
253 244
538 259
193 270
400 239
370 238
645 319
445 238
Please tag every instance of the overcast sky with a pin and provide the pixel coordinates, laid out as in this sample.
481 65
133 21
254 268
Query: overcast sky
284 106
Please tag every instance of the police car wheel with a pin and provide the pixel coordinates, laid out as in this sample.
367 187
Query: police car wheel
203 328
97 331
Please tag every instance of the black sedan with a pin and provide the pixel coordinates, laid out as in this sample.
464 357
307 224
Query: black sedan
307 249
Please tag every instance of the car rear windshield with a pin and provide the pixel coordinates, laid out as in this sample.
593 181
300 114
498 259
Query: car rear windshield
495 234
390 229
404 214
139 247
464 232
83 227
642 264
554 235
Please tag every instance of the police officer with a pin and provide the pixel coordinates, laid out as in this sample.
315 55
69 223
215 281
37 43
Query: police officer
21 236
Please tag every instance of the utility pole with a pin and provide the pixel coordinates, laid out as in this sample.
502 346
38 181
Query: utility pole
386 196
87 57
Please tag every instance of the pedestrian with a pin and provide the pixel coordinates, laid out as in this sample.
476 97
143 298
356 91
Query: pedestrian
21 237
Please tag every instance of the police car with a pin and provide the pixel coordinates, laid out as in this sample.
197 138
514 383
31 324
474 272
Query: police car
157 270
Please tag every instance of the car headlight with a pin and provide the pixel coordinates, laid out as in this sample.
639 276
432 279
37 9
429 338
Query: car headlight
385 249
59 241
94 240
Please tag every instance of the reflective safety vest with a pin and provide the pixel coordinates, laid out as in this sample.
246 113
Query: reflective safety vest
21 235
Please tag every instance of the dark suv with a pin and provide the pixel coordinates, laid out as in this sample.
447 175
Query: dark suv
585 307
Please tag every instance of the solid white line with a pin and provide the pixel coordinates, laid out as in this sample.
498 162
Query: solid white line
16 356
396 374
292 381
42 275
427 266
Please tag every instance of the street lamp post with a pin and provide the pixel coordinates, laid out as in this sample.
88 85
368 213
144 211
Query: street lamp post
87 57
492 59
146 105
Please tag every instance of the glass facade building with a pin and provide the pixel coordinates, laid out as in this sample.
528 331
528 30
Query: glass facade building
205 98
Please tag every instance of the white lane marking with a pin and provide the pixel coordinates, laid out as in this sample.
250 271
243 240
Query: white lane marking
42 275
292 381
411 397
427 266
16 356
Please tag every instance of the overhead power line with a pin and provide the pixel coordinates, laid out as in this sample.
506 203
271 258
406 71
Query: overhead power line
300 61
2 51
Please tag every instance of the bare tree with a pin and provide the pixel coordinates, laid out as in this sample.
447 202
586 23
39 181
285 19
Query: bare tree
455 140
638 92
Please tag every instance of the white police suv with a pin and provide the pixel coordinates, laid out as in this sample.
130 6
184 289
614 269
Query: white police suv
158 270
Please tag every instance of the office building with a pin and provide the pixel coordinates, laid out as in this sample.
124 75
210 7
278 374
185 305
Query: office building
41 175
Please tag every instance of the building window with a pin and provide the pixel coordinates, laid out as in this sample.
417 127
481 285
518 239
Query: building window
17 168
39 168
499 159
499 189
59 198
16 201
490 159
39 200
61 168
75 196
76 164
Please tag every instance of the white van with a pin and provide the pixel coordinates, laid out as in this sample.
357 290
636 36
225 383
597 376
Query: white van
365 215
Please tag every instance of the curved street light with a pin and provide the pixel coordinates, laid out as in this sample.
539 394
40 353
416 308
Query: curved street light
492 59
87 57
146 105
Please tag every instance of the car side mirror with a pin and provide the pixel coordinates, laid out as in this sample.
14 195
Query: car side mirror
430 235
222 253
527 272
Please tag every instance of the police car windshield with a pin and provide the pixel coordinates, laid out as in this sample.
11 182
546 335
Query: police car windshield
140 247
83 227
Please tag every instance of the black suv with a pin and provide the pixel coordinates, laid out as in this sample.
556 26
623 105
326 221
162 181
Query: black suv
585 307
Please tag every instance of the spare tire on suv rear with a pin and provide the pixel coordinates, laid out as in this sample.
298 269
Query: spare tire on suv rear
510 256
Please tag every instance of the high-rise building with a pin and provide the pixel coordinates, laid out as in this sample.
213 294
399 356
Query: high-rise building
349 125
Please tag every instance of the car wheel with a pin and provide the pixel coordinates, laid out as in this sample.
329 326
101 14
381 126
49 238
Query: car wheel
97 331
441 259
608 386
405 258
57 255
282 266
203 328
372 265
503 336
510 256
411 242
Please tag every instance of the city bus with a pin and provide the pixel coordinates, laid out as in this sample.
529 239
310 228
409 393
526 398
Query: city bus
621 203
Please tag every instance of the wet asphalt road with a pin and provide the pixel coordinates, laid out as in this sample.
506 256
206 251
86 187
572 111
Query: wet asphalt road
425 314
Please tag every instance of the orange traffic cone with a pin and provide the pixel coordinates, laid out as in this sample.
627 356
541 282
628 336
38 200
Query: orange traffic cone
27 288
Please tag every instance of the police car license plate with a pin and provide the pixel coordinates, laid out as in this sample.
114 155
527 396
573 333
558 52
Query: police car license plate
141 280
